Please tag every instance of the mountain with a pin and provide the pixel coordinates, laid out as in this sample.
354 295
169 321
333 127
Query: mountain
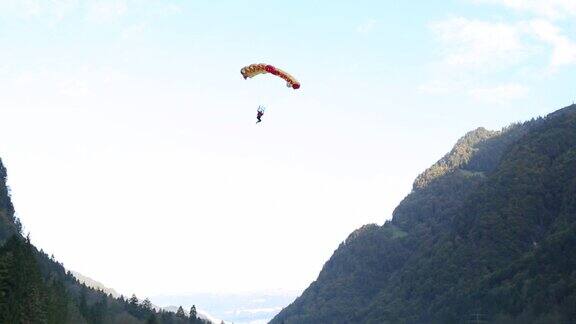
488 233
96 285
36 288
237 308
200 314
9 224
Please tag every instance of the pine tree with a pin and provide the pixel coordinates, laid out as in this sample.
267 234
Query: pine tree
5 261
180 312
152 319
133 300
193 314
134 309
147 305
83 304
23 290
57 308
98 311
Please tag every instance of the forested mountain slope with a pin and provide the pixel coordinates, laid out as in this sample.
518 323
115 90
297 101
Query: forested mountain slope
9 224
94 284
35 288
488 232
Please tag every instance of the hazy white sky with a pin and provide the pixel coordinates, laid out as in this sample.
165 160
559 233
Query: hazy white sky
129 136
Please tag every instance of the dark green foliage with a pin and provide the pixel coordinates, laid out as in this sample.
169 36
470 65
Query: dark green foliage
35 289
152 319
489 232
146 305
193 312
180 313
9 223
478 151
24 296
194 316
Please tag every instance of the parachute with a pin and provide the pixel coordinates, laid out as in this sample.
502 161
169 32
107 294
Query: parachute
253 70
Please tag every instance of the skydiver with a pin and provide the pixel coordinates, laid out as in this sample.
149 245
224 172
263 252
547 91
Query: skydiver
261 110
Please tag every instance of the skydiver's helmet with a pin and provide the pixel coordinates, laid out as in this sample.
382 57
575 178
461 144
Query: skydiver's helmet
261 109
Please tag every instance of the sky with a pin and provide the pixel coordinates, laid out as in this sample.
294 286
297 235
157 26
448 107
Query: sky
130 140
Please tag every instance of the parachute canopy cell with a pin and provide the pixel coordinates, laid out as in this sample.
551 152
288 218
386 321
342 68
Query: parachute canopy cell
254 69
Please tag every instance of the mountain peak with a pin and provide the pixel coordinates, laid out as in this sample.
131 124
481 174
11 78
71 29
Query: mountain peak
568 110
462 152
489 226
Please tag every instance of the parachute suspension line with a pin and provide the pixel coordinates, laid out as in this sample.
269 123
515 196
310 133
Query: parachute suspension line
261 94
253 70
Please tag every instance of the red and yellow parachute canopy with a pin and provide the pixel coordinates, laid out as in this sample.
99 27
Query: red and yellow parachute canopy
261 68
